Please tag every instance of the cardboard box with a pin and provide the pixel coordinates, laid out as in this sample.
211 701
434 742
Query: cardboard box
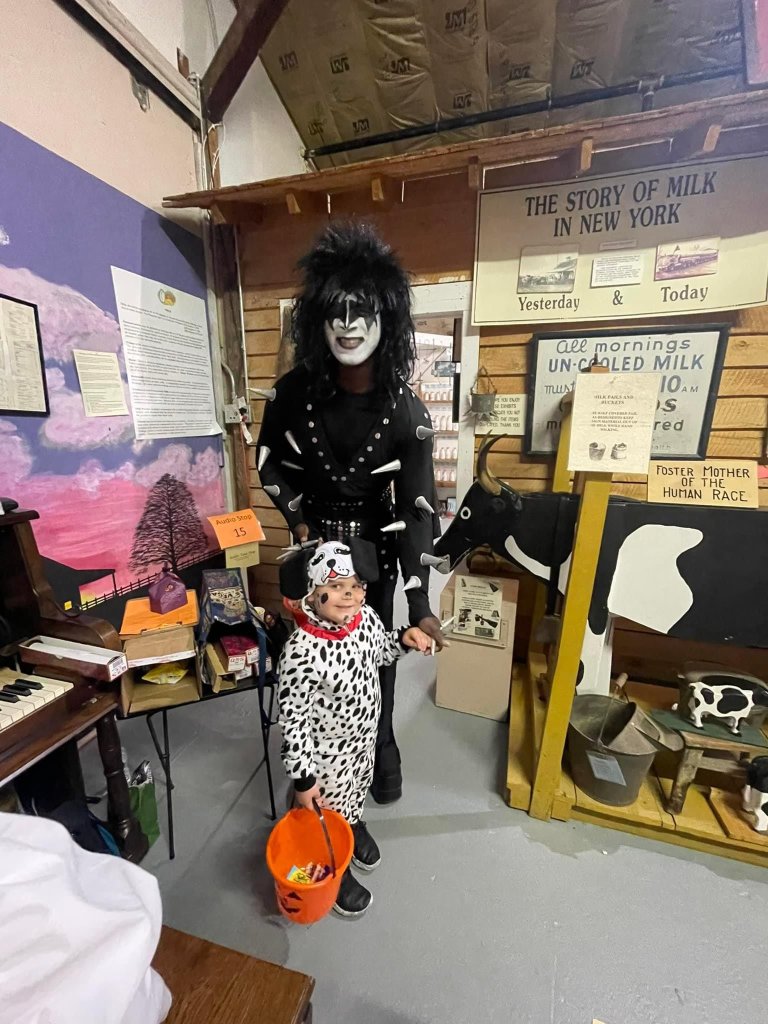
473 675
160 646
155 648
84 659
215 672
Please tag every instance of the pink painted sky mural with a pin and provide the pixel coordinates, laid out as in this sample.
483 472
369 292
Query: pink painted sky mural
88 478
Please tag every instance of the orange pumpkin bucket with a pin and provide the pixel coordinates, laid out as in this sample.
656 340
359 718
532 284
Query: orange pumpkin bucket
297 839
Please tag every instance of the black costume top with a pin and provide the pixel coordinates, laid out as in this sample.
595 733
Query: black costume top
325 484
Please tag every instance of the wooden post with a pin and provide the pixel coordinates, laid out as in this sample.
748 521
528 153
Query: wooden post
595 490
578 596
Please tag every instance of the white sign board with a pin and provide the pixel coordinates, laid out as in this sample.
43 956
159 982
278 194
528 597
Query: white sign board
659 242
101 384
167 356
689 361
508 417
612 422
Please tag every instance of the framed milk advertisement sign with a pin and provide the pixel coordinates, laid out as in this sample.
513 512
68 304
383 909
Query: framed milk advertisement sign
689 360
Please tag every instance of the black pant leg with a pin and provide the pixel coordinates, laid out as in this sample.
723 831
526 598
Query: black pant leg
381 597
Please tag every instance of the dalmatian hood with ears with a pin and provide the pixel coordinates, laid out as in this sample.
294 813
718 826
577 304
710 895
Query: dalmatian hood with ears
330 561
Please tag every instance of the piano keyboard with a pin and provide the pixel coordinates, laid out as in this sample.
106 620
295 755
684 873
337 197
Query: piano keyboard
22 695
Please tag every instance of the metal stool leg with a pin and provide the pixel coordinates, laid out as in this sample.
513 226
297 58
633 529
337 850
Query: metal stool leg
265 729
164 756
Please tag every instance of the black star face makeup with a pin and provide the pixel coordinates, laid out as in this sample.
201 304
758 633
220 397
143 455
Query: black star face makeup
352 328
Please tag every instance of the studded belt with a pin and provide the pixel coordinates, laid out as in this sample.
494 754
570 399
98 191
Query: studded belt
340 520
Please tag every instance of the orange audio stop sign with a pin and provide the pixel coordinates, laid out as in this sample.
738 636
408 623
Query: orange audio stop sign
232 528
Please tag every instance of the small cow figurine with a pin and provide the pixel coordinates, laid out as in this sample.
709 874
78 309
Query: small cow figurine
688 571
755 793
724 697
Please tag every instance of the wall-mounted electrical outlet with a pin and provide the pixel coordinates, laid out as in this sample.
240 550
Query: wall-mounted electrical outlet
233 414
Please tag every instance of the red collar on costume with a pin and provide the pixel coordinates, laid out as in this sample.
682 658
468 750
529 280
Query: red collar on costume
309 622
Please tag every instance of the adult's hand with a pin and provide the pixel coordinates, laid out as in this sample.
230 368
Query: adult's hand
301 533
431 626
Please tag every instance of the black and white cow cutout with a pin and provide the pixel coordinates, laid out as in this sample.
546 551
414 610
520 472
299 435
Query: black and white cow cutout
692 572
755 794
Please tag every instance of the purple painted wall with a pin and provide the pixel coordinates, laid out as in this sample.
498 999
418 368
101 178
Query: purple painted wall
61 230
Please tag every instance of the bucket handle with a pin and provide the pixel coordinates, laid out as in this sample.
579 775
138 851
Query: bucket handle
331 856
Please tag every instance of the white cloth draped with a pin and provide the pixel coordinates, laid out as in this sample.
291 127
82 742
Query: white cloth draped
78 931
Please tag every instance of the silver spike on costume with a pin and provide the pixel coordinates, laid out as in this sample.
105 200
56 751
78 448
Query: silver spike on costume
292 442
424 432
412 583
388 467
272 490
291 465
421 502
295 503
268 393
395 527
263 456
433 562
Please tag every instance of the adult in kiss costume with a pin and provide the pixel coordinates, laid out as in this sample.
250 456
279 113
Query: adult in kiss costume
345 448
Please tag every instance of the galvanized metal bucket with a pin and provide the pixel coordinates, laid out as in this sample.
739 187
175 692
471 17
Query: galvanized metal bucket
609 758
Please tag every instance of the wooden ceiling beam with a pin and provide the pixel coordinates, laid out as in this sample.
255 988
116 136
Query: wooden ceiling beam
698 140
652 128
237 51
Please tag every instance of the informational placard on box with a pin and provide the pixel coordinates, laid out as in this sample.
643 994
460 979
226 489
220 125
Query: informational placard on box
689 360
477 608
659 242
724 482
612 422
508 416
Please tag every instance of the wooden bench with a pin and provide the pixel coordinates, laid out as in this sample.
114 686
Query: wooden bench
211 984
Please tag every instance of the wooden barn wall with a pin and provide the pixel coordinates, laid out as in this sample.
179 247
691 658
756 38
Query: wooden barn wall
433 229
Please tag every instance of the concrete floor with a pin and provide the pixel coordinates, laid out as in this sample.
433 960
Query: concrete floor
480 913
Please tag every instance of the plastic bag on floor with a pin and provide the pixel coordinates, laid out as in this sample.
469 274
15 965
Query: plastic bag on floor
78 931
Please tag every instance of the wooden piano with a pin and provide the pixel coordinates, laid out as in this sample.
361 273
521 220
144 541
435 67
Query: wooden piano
55 714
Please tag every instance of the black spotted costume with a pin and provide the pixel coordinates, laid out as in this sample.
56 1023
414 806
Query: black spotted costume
330 701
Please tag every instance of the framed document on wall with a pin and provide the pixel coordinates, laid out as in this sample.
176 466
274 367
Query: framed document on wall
689 359
23 388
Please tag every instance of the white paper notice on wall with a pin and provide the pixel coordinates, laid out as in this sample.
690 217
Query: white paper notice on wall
167 356
100 383
508 417
612 422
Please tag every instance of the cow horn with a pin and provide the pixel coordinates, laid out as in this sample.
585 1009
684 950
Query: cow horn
485 477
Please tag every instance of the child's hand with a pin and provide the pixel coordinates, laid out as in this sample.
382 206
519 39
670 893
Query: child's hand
417 639
305 799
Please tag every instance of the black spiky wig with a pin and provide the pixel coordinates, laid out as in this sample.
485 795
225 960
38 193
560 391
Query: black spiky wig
350 257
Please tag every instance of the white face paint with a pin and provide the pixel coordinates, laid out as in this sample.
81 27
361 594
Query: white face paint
352 330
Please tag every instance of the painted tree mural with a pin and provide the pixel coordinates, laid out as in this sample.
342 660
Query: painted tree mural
170 529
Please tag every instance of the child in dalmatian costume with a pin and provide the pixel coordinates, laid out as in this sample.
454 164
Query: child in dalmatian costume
329 693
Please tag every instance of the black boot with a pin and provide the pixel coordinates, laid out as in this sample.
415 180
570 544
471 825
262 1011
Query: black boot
366 855
353 899
387 785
